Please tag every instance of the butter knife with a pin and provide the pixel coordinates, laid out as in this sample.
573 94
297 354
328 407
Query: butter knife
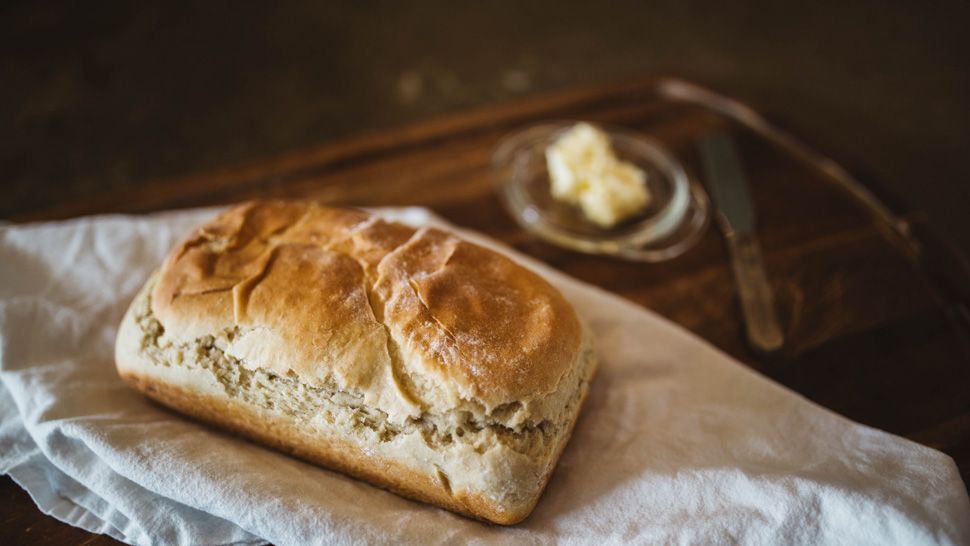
735 216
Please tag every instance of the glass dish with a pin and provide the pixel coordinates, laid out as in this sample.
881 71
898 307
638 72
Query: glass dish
673 220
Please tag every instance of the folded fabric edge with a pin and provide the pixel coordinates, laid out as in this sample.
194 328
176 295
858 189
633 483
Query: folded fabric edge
57 494
38 477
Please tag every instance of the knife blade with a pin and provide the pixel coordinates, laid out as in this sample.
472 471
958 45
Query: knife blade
735 217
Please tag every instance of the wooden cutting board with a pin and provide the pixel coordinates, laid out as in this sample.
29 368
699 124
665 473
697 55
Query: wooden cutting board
874 306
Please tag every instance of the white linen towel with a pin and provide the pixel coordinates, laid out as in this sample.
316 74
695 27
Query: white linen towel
677 443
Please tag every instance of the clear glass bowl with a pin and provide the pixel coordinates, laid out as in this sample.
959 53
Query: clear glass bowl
674 219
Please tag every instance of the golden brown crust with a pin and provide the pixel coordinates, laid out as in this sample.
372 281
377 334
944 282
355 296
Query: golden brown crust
331 452
495 328
409 358
317 291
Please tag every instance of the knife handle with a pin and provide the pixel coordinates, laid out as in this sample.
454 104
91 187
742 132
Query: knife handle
757 304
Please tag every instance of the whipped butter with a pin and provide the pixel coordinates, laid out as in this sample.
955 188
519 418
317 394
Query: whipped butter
585 172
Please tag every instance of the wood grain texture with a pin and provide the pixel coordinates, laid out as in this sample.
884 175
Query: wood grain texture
873 332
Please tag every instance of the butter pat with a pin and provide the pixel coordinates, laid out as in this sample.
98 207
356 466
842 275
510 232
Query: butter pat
585 172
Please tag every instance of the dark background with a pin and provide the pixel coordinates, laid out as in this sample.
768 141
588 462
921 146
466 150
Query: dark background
100 96
97 97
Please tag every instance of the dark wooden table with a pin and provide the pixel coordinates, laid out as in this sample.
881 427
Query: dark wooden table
876 322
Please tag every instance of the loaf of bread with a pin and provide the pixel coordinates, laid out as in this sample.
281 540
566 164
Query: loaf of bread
408 358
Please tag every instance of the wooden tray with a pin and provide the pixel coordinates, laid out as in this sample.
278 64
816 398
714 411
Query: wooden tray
874 306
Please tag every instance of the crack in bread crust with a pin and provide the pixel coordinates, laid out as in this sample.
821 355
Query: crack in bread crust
367 346
288 395
464 324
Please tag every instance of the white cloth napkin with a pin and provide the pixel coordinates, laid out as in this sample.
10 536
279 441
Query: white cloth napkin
677 443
